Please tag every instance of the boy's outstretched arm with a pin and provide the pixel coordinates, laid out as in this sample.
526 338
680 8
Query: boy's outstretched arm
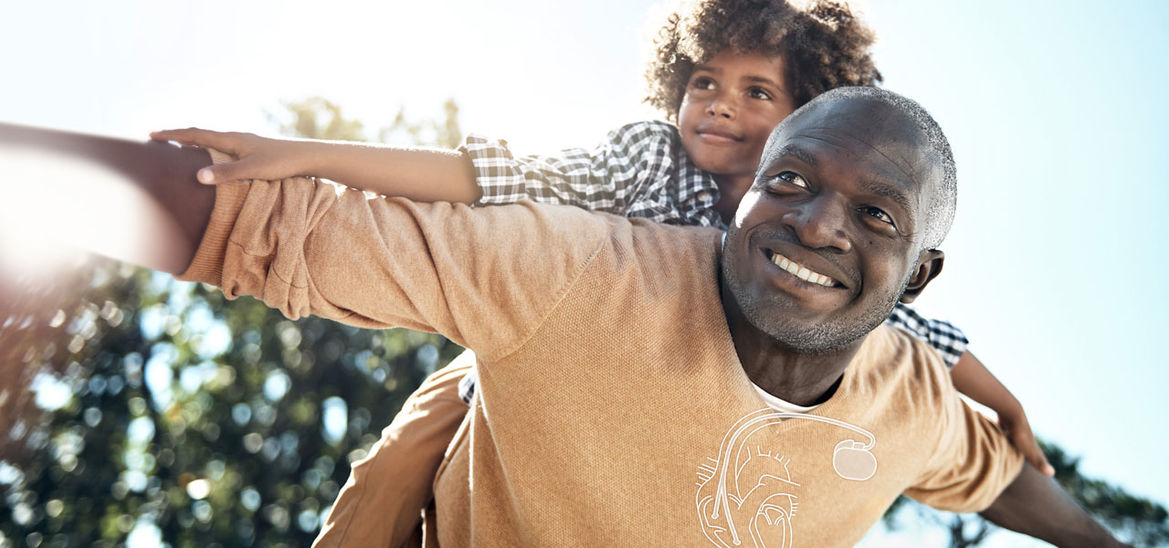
973 379
421 174
69 164
1035 505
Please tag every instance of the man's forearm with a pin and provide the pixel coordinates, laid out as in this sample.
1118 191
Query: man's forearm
1035 505
77 167
421 174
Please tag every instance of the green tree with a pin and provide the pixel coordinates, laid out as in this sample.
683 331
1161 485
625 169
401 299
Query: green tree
167 411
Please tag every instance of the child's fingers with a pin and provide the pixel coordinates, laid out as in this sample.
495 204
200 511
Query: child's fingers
1040 462
226 142
229 172
1031 451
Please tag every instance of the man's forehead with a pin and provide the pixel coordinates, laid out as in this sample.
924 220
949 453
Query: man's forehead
863 125
865 118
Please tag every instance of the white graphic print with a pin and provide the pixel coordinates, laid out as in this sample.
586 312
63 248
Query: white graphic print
746 496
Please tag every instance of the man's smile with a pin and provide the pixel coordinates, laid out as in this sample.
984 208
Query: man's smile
808 275
800 271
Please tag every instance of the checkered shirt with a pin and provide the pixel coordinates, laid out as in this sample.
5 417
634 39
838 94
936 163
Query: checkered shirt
639 170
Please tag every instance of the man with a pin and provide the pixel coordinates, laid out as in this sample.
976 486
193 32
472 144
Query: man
653 385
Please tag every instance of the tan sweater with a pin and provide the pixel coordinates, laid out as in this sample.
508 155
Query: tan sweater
612 409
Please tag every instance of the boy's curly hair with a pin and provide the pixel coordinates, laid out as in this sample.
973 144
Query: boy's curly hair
823 46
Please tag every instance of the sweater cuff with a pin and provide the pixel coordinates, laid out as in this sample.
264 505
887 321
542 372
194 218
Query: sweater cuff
207 266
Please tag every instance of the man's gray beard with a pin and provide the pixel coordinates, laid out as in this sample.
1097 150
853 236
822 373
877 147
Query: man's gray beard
817 339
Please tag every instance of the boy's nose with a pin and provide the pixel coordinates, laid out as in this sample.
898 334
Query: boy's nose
721 106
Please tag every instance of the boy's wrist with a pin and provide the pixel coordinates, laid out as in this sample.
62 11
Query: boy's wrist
1011 412
308 158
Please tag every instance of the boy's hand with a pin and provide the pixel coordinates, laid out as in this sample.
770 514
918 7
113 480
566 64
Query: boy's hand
1018 430
258 157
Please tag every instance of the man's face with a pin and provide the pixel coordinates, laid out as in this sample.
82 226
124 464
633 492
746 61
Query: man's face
823 246
732 103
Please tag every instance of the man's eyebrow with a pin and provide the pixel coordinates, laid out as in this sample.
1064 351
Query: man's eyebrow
799 153
881 188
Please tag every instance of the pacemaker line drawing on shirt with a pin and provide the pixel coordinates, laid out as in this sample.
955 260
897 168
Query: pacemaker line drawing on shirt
745 483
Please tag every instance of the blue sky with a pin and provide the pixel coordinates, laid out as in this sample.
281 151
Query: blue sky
1056 112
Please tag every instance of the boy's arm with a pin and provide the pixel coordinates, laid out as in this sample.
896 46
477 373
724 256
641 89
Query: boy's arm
635 171
638 170
421 174
1035 505
977 382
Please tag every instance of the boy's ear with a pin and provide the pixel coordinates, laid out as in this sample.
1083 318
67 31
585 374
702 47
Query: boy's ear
929 265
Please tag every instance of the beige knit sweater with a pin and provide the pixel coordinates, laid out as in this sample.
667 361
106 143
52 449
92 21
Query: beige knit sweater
612 409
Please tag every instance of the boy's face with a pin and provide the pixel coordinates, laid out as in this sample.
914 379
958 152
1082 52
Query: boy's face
732 103
840 196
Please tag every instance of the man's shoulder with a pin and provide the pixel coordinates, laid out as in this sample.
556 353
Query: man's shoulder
564 221
890 353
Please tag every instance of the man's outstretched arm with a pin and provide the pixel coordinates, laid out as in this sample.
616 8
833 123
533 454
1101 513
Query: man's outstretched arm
67 166
1035 505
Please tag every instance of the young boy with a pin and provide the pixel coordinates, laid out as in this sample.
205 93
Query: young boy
726 72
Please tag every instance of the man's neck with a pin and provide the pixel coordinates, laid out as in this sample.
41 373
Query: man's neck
797 377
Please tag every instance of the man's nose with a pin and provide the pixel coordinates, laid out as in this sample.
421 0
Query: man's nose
820 223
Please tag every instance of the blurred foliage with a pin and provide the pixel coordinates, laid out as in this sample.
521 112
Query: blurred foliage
171 414
319 118
1133 519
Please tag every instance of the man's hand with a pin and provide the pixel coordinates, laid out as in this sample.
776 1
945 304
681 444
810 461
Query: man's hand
1015 425
164 235
257 157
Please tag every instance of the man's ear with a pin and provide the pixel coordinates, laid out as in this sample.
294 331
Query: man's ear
929 265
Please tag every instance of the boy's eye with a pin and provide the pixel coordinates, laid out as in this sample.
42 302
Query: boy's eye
702 82
878 214
759 93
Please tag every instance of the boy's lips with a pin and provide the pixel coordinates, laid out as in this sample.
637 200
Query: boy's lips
717 134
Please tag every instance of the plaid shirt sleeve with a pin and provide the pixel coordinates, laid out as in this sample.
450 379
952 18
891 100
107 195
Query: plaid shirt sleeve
946 338
633 172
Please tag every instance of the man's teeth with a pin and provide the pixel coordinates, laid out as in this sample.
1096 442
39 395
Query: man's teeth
802 272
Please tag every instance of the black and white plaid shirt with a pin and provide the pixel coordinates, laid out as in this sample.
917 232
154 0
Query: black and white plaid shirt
639 170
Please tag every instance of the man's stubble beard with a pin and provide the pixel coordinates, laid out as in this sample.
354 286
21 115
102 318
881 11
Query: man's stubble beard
816 339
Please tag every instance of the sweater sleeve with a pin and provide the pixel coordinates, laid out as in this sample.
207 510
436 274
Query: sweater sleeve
484 278
972 461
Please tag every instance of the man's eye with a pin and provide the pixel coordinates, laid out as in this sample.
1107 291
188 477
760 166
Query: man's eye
791 178
878 214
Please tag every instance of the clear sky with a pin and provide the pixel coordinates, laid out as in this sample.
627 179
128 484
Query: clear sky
1056 112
